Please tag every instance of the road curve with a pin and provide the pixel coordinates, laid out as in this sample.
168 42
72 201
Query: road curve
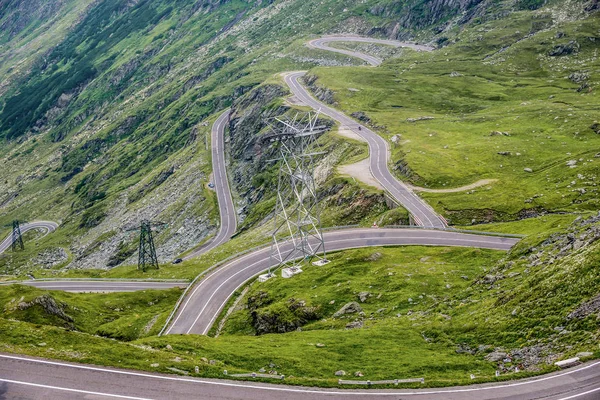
228 224
206 300
99 286
322 44
49 226
31 378
379 156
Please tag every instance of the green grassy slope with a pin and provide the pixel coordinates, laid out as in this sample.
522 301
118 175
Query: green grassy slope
496 78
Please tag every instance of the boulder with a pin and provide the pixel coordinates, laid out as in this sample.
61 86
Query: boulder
363 296
348 308
564 49
355 324
496 356
340 373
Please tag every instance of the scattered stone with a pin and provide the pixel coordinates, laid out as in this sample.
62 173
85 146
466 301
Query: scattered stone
498 133
354 324
340 373
154 365
177 359
564 49
374 257
169 347
571 163
363 296
504 153
320 345
584 354
496 356
262 371
204 360
578 77
358 374
332 302
197 369
178 371
527 170
361 116
212 362
348 308
595 127
455 74
419 119
585 309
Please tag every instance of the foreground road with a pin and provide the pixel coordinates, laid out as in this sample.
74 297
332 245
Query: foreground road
28 378
228 224
49 226
100 286
422 213
323 44
205 301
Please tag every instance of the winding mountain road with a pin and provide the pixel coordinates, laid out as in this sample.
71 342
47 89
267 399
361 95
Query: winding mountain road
49 226
206 300
33 378
228 224
26 377
379 156
322 43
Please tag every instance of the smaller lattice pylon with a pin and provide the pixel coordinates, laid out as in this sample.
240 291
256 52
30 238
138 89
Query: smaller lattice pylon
147 251
17 239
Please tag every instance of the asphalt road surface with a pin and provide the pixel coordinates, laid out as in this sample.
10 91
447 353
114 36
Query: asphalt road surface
99 286
228 224
49 226
29 378
422 213
206 300
322 44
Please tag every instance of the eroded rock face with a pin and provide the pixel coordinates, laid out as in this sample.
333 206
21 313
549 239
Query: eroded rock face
589 307
564 49
49 305
278 317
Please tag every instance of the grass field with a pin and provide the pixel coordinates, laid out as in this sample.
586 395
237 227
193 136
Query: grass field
474 93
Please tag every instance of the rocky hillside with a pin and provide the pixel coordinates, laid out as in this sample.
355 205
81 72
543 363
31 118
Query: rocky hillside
106 105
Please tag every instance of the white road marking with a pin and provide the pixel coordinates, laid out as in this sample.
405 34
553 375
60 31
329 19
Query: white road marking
72 390
581 394
434 241
302 390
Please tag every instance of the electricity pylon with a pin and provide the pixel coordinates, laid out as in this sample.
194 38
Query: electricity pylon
17 239
297 213
147 251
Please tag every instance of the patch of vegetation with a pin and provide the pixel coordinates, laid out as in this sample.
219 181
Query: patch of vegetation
122 316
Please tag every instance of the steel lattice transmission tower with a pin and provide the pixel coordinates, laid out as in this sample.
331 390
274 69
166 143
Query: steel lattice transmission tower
297 231
17 239
147 252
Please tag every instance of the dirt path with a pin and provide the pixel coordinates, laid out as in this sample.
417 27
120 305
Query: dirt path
474 185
